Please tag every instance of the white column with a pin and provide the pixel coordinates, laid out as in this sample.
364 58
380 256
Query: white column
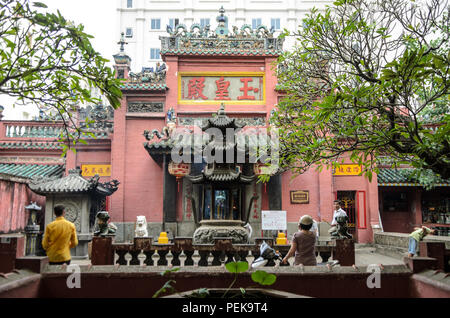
141 55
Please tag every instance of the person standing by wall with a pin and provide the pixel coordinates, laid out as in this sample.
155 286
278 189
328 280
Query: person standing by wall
337 213
303 244
415 237
59 237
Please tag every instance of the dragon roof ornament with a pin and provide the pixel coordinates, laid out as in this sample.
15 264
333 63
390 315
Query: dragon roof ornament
202 40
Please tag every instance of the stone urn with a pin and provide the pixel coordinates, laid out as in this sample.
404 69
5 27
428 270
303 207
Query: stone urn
210 229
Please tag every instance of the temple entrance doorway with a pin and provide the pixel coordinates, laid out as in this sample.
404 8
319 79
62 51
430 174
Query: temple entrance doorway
348 202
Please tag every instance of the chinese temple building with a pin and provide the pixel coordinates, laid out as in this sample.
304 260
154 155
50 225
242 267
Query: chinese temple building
225 79
220 87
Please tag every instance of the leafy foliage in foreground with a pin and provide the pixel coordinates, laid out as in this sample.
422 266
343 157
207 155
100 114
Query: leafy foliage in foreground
48 61
363 82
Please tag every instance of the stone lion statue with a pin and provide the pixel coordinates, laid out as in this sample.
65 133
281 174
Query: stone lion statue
140 229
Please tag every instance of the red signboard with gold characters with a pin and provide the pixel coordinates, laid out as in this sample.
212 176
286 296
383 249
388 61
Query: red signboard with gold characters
225 87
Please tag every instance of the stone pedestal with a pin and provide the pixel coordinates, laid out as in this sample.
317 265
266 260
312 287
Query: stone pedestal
345 252
102 253
32 232
11 247
209 229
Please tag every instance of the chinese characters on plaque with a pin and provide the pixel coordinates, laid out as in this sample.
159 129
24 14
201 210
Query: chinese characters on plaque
299 197
92 170
348 170
222 88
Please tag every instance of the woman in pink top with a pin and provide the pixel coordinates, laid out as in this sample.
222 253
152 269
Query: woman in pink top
303 244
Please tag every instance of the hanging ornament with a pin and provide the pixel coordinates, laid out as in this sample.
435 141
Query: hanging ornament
179 170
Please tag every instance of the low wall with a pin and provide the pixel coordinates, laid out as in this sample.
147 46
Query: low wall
395 281
143 282
400 240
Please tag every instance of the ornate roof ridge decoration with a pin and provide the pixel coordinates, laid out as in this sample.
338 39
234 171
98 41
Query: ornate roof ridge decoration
72 183
30 145
102 117
203 40
143 86
222 121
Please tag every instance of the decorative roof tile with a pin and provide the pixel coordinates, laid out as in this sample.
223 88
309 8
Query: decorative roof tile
201 40
143 86
30 145
72 183
31 170
402 177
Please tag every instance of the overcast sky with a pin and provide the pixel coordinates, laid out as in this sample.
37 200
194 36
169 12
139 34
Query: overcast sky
99 20
98 17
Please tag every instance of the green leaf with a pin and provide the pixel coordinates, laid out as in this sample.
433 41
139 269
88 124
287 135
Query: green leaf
263 278
237 267
40 5
170 271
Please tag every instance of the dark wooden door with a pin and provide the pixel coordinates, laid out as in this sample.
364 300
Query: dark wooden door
348 202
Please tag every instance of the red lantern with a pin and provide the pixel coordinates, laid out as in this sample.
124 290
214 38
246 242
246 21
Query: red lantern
179 170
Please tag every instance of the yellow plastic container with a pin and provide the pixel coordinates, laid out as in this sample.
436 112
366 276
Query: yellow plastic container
281 239
163 239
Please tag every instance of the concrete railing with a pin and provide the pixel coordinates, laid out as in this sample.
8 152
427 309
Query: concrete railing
104 252
400 240
32 129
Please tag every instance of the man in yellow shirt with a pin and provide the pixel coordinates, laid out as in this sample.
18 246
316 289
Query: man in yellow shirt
59 237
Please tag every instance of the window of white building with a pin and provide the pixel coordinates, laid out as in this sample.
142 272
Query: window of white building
129 32
154 54
129 3
204 22
174 23
256 23
275 23
156 24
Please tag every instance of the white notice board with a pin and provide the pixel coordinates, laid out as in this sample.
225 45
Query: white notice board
274 220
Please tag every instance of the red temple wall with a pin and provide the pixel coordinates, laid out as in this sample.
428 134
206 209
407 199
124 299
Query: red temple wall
322 187
144 177
14 196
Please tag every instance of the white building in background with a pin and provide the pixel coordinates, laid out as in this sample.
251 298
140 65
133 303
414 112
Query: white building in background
143 21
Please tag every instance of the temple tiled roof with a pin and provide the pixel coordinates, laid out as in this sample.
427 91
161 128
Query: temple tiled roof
72 183
218 51
29 145
31 170
143 86
401 177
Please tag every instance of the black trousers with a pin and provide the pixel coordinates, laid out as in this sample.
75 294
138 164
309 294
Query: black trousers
60 263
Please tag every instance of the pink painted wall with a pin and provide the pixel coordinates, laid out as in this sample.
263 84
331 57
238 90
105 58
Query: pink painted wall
401 221
140 177
143 181
14 197
322 187
118 162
